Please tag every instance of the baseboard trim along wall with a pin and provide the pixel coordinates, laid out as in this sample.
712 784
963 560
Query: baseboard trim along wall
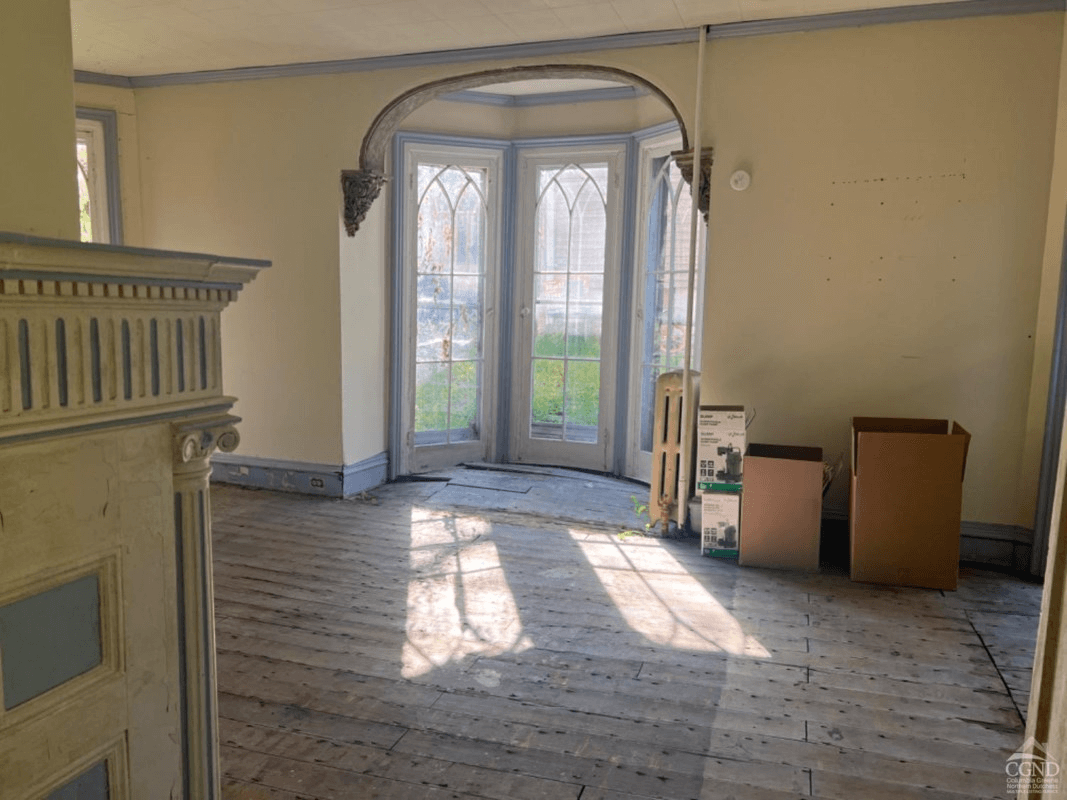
365 474
998 545
1008 546
1005 546
302 477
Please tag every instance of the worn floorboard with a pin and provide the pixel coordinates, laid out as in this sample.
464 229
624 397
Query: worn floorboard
492 635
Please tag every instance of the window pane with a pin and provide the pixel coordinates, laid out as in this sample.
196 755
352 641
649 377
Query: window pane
435 232
84 194
547 400
466 332
470 232
583 400
463 424
431 397
452 219
550 321
551 288
589 231
583 331
666 267
571 225
586 288
433 341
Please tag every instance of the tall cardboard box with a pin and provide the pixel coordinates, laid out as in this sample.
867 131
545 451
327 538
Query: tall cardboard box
905 505
782 507
720 447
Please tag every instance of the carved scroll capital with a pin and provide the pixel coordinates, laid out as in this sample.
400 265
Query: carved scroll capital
361 188
195 440
684 160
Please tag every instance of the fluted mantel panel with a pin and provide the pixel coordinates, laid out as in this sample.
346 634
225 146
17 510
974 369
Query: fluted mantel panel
94 334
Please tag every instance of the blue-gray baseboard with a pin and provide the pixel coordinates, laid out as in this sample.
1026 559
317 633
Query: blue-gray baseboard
300 476
1005 546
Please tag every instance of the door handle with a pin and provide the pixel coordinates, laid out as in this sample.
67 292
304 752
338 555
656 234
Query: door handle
525 312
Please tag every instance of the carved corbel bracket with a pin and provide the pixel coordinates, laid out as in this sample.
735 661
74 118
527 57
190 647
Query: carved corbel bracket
196 439
684 160
361 188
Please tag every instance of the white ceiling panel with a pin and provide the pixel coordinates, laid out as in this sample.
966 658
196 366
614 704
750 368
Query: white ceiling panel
639 15
151 37
548 86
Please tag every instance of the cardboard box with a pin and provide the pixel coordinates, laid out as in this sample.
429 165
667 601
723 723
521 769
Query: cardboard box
782 507
720 524
720 447
907 490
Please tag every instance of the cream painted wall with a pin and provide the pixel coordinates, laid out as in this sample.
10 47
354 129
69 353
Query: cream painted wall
887 258
122 102
912 295
514 122
253 168
457 119
604 116
38 188
365 294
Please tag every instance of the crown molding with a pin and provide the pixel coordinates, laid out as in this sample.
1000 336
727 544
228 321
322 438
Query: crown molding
884 16
729 30
102 79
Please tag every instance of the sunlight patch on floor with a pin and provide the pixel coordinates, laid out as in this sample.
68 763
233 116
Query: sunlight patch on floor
459 603
660 599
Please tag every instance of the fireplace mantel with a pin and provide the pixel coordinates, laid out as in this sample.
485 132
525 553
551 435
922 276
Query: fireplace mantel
111 403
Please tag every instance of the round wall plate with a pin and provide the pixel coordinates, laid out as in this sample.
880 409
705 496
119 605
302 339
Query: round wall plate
740 180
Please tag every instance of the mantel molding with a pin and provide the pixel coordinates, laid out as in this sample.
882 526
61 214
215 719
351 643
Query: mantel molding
97 336
39 258
196 439
46 286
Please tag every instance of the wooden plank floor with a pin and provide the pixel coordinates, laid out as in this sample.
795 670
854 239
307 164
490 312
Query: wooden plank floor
493 636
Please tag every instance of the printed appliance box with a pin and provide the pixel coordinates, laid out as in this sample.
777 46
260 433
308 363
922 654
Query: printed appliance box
720 524
782 507
720 447
907 489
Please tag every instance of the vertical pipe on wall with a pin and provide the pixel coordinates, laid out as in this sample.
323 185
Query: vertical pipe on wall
694 188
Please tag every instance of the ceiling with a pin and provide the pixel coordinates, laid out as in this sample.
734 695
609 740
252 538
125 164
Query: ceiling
153 37
526 88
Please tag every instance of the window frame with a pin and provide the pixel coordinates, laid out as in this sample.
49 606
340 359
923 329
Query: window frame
649 148
99 127
411 150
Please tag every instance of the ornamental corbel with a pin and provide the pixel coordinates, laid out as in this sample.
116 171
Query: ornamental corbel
196 440
684 160
360 188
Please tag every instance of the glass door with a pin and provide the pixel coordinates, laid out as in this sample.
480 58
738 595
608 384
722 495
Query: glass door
661 281
450 258
563 405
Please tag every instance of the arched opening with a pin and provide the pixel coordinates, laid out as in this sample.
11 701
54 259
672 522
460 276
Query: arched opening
372 154
540 266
